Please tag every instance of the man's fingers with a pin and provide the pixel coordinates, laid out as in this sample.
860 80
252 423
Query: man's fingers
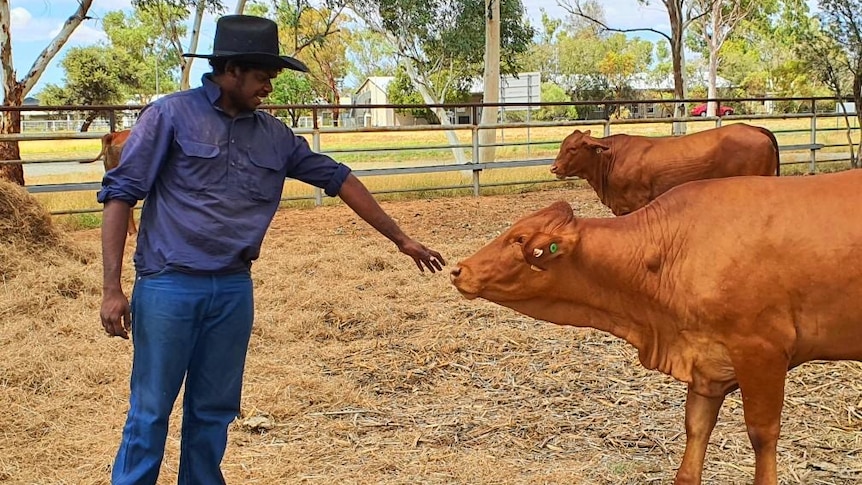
439 258
117 325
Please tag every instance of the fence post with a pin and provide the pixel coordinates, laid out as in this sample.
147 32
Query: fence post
315 145
474 133
813 152
607 127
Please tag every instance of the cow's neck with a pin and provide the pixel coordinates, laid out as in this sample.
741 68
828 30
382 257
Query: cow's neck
610 287
597 174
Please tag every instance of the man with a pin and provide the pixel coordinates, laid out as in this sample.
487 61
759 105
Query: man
212 169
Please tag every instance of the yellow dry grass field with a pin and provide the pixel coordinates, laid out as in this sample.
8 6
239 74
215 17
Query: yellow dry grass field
362 371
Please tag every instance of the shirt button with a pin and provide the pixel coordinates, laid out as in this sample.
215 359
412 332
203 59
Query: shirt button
233 141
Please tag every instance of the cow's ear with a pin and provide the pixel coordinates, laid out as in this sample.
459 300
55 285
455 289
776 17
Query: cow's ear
597 144
542 249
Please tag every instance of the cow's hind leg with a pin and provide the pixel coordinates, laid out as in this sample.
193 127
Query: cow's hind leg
701 413
761 373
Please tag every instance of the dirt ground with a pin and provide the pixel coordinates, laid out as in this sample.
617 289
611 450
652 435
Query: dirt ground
361 370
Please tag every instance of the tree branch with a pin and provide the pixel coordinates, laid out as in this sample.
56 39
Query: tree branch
41 62
577 11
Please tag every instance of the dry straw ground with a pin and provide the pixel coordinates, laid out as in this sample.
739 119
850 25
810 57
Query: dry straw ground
364 371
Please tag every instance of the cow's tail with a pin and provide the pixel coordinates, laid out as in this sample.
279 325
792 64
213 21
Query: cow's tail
775 146
102 153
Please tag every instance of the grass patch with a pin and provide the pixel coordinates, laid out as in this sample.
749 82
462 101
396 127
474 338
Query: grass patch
79 222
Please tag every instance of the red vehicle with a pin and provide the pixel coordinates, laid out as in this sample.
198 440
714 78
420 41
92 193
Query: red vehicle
700 110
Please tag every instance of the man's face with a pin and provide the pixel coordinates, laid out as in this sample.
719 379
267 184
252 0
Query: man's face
247 87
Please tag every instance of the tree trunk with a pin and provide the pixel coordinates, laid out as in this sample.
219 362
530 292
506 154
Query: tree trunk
857 99
89 121
712 88
193 45
10 122
492 80
451 136
713 44
674 10
14 90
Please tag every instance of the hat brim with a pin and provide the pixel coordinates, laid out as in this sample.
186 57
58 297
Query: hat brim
261 58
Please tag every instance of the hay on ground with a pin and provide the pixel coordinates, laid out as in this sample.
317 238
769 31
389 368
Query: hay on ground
362 371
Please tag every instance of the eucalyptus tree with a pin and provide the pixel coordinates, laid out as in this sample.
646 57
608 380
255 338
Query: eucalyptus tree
291 88
15 90
140 35
760 56
440 44
369 55
681 14
94 75
174 28
721 18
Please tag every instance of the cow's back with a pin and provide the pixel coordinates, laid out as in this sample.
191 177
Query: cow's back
788 246
645 167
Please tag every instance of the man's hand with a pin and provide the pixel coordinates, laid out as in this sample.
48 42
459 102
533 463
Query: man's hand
422 255
115 313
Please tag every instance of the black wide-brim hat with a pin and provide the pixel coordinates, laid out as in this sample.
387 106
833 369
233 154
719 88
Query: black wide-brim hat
250 39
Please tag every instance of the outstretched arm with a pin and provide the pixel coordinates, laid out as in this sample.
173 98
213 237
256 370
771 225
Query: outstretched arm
357 197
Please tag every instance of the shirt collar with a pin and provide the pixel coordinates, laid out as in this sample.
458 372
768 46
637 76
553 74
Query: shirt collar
212 89
213 93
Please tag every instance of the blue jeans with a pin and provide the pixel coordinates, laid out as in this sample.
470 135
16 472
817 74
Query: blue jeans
192 327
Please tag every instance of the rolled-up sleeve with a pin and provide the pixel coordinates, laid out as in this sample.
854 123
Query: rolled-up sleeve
314 168
142 157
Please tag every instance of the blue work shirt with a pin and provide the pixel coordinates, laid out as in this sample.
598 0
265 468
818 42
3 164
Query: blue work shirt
210 183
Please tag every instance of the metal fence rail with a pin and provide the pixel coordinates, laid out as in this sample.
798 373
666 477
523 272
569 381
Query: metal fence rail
475 166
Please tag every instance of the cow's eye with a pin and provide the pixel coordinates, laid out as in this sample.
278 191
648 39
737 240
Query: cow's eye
521 239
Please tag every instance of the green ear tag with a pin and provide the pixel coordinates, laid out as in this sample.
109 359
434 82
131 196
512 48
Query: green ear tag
553 248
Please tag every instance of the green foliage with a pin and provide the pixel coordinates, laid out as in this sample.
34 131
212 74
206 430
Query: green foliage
212 6
552 93
94 76
291 87
761 55
401 91
446 38
142 36
370 54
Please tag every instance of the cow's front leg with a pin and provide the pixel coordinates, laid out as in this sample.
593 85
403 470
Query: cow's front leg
761 375
701 413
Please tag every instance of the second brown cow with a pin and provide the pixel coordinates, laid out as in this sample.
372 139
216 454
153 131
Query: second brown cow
629 171
112 148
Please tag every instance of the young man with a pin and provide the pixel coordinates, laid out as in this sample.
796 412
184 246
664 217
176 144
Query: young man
211 170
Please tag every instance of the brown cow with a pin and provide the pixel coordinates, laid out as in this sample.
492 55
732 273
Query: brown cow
628 171
112 148
722 284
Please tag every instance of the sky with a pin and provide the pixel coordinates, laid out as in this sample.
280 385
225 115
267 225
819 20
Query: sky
36 22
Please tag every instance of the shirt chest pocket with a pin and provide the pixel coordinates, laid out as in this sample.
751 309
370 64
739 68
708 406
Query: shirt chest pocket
263 176
200 167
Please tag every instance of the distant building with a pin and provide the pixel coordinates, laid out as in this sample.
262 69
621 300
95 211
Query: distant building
523 88
374 91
